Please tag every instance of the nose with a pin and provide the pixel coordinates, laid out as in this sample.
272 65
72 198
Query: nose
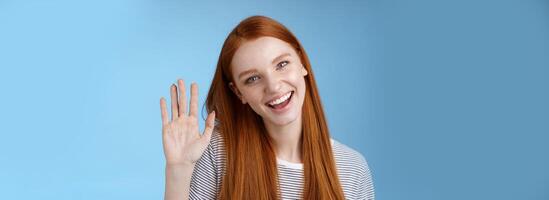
273 85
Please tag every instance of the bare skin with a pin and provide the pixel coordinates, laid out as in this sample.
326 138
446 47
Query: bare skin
182 142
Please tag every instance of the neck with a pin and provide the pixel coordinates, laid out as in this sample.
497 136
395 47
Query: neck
286 140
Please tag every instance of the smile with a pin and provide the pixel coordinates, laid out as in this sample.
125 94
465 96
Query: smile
281 102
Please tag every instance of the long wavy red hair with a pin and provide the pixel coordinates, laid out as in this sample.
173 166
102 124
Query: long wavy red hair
251 169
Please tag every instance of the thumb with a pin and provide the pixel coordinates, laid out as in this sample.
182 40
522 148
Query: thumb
210 123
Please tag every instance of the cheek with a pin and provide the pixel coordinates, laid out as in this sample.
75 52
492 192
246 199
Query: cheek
297 79
252 95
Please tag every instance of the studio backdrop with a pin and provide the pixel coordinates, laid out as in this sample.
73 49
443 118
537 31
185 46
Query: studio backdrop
445 99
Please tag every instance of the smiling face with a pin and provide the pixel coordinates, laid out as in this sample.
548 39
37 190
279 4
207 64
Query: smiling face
269 76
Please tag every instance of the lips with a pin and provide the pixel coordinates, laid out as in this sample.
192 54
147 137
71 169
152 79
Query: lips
280 101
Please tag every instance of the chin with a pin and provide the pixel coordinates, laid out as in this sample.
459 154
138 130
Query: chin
282 121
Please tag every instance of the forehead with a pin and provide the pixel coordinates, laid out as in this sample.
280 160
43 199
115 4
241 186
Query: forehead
259 53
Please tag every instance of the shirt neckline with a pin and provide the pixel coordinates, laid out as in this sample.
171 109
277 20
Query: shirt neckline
293 165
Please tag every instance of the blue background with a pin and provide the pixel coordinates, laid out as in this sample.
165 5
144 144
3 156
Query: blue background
446 99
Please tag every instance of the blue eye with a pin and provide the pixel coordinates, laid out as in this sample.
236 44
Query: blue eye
282 64
251 79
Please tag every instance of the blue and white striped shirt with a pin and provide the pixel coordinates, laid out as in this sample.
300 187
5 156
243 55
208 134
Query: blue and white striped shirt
352 168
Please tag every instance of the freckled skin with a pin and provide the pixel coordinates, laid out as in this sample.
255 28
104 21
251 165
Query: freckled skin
272 79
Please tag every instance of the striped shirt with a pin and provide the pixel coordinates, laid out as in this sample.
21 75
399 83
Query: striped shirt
352 168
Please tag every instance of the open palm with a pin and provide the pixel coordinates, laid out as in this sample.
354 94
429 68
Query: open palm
183 144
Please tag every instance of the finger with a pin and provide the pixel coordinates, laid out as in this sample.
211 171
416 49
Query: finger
182 98
173 94
210 123
163 111
194 100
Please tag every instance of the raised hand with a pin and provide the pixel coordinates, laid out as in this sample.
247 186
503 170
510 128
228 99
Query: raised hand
183 145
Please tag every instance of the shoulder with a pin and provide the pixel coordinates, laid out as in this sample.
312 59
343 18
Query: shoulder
216 150
346 154
216 143
353 172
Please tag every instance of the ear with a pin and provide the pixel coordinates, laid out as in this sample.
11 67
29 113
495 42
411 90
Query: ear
237 92
304 71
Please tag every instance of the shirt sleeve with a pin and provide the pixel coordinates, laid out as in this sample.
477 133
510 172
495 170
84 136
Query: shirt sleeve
367 183
203 181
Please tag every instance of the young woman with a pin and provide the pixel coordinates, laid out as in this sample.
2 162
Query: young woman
266 136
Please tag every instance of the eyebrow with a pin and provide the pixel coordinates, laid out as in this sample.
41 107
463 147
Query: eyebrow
280 57
273 62
246 72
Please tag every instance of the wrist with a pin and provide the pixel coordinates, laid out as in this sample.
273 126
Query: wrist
179 172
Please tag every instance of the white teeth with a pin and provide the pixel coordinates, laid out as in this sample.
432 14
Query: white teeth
281 99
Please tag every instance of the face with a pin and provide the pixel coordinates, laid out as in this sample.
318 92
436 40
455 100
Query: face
269 76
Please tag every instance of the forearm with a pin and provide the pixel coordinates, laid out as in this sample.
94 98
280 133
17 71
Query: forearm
178 182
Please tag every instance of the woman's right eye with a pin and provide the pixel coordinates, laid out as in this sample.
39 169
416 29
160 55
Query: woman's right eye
251 79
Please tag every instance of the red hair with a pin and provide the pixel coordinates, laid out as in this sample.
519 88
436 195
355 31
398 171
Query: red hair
251 168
